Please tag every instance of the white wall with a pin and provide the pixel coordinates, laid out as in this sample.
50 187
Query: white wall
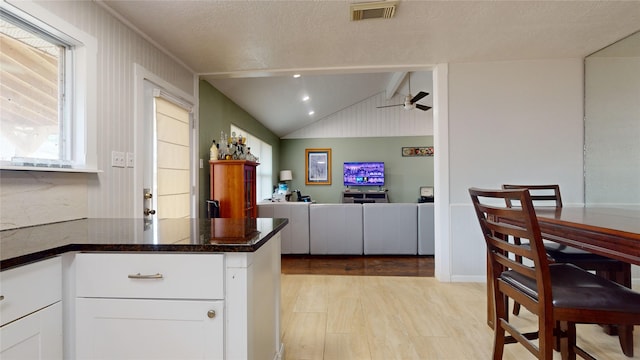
612 130
364 119
110 193
509 122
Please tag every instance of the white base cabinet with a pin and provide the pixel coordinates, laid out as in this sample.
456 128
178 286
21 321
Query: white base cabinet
179 306
149 306
34 337
149 329
31 311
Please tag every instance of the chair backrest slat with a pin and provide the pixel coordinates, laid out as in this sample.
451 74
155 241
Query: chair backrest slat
541 195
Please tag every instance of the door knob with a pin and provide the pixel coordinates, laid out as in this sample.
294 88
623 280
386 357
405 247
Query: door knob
148 212
147 193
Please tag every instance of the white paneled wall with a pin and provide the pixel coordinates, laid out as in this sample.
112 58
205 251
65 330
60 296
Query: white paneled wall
364 119
110 193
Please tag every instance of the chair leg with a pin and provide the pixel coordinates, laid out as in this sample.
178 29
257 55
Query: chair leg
625 335
516 308
498 342
557 337
568 340
501 311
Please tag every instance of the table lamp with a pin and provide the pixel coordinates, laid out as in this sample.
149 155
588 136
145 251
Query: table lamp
285 175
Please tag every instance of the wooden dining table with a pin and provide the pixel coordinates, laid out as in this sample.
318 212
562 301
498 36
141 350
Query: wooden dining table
606 231
611 232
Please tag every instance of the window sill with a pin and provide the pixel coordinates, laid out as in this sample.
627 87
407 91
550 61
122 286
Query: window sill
49 169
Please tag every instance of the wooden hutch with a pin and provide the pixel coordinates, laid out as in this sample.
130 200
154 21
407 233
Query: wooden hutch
233 184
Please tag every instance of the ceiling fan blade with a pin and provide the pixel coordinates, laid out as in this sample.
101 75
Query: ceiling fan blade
419 96
386 106
423 107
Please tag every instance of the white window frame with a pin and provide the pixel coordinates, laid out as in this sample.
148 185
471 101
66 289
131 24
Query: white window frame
264 172
81 89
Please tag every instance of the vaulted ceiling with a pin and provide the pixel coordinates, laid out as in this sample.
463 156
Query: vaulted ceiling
249 40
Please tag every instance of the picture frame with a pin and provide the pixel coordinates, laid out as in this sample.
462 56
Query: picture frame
411 151
317 166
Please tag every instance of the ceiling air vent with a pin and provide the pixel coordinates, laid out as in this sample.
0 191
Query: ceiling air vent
373 10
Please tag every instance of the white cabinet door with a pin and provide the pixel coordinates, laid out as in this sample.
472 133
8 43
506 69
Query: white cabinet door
149 329
37 336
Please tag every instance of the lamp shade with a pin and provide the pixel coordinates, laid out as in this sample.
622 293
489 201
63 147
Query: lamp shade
285 175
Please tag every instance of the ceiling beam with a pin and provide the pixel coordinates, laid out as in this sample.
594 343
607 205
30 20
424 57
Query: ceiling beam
394 83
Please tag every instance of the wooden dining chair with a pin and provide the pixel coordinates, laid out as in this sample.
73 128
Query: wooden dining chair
611 269
558 293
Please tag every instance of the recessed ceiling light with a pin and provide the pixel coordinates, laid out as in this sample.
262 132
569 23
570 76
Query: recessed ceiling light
296 76
305 98
311 112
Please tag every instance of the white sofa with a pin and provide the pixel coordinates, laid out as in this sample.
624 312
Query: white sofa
295 236
335 229
426 235
354 229
390 228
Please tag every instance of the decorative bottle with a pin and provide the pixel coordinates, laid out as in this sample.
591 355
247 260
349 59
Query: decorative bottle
213 151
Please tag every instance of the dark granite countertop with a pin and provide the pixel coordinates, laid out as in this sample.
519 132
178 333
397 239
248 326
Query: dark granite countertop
24 245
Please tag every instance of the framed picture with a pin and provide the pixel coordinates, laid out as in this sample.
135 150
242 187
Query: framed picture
417 151
317 166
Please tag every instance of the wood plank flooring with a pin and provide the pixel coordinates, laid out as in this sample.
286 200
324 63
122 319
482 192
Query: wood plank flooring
358 265
363 317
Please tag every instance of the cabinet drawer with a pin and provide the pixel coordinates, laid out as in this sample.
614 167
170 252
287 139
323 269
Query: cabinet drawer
150 276
29 288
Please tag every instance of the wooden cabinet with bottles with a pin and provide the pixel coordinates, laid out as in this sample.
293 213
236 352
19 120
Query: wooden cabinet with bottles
233 184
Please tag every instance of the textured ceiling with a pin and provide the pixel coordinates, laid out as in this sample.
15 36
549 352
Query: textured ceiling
221 39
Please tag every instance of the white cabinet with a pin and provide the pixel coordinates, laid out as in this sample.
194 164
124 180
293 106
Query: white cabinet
149 329
149 306
31 311
179 306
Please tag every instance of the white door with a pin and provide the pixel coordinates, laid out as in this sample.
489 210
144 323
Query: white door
167 170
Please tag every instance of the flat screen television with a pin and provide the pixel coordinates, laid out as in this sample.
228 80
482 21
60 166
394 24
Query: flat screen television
363 173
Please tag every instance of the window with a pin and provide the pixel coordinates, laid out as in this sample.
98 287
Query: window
264 172
43 121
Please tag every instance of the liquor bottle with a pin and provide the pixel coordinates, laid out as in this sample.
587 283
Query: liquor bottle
213 151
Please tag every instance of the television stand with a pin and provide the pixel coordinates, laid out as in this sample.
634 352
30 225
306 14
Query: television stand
362 197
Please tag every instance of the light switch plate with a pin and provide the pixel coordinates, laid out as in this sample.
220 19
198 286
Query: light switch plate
130 160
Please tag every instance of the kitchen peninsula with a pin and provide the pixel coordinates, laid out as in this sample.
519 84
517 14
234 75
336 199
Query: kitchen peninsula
197 288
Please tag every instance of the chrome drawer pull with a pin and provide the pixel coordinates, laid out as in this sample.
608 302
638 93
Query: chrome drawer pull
139 276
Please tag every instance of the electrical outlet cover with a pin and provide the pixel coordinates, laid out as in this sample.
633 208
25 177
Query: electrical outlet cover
117 159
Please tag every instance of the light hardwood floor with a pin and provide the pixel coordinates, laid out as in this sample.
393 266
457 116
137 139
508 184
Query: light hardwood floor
393 317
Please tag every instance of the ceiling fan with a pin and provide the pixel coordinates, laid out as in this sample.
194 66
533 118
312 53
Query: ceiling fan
410 102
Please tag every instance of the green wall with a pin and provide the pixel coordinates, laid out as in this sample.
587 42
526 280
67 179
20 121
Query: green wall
217 113
403 175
